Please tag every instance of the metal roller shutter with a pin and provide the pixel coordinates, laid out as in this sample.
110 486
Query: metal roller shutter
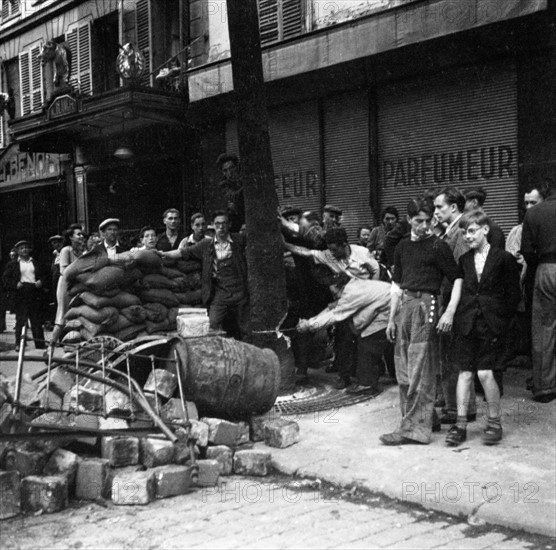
346 154
294 140
457 128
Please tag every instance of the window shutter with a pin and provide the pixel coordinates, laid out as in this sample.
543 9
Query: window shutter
36 79
268 21
144 31
25 83
79 43
10 8
291 18
2 121
5 9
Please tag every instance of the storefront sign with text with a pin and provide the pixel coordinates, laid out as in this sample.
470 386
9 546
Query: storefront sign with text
296 184
450 168
25 167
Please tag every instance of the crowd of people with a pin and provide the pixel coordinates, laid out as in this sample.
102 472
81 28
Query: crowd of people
435 296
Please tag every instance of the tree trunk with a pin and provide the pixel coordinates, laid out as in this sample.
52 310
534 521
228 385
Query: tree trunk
267 287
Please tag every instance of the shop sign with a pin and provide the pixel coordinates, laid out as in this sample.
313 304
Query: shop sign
27 167
62 106
296 184
449 167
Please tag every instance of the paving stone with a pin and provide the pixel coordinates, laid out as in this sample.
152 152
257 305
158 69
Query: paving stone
112 423
50 400
46 494
10 503
224 456
281 433
166 383
29 390
83 399
87 422
132 488
24 458
252 462
209 472
92 479
63 462
257 423
223 432
172 480
117 402
173 410
156 452
120 450
182 452
200 432
61 381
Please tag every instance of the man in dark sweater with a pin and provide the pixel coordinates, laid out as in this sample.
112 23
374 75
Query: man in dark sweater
420 264
538 246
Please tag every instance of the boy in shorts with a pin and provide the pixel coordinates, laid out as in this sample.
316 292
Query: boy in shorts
489 298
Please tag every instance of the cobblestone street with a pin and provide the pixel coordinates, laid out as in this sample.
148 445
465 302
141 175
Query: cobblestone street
256 513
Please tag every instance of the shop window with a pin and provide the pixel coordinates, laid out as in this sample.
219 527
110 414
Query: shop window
31 87
104 42
10 8
79 42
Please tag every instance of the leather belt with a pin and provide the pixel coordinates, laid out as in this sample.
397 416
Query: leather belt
418 293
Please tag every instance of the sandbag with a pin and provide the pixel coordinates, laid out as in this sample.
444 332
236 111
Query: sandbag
132 275
130 332
173 314
156 312
103 316
147 259
72 337
157 327
88 263
156 280
120 300
136 314
170 272
76 289
108 277
90 328
74 324
189 298
160 296
189 266
120 324
193 281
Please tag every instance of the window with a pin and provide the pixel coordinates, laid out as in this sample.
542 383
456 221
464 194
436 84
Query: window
279 19
31 81
79 42
10 8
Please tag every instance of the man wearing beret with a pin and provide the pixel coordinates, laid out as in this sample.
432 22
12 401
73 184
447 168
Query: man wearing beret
331 217
24 279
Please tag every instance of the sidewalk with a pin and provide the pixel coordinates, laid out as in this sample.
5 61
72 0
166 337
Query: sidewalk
512 484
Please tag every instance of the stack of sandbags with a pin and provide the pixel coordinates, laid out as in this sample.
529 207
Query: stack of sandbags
140 295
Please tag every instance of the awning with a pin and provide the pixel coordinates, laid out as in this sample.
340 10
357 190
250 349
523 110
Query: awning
69 120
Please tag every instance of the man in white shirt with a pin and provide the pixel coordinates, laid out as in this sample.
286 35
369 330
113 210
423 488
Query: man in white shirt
110 231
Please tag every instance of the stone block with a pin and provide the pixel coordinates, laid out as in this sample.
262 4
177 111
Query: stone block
224 456
133 488
209 472
112 423
86 422
281 433
10 503
50 400
116 402
120 450
182 452
243 436
29 390
200 432
155 401
172 480
92 480
61 381
46 494
63 462
83 399
24 458
257 423
166 383
252 462
223 432
173 410
156 452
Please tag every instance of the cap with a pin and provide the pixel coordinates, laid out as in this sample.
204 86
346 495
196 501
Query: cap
333 209
102 226
21 243
290 210
55 238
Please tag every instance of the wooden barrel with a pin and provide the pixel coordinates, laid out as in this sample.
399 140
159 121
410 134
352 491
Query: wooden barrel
227 378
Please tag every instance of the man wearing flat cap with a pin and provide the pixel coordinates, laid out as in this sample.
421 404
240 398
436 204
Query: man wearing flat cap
24 279
110 231
331 217
291 213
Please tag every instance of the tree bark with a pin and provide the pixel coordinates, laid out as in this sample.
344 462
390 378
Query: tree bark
265 265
